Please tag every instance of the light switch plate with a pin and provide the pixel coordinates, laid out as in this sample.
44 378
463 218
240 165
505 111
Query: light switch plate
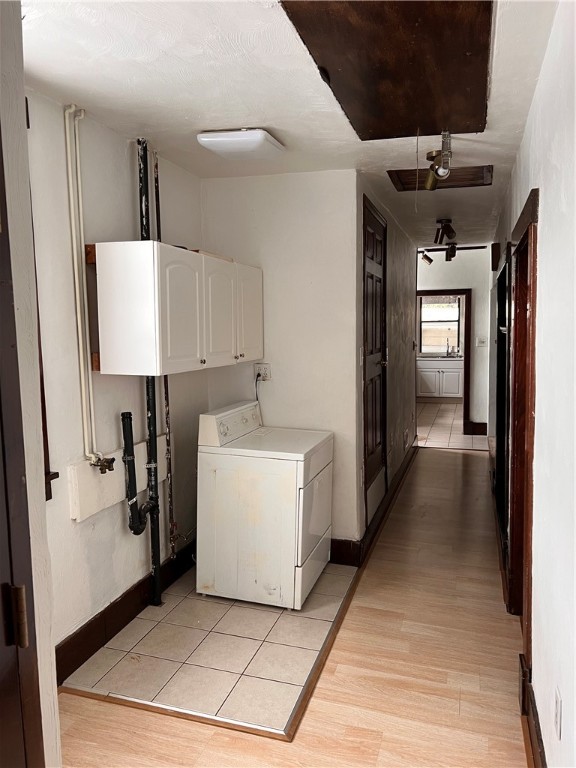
481 341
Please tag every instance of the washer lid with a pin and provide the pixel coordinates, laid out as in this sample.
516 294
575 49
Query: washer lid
275 443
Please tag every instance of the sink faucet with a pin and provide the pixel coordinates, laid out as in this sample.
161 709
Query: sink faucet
447 347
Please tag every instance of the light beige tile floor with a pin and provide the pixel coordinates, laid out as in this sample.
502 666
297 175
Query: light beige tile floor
441 426
213 656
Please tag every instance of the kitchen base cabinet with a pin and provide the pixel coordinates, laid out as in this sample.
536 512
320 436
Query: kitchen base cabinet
442 377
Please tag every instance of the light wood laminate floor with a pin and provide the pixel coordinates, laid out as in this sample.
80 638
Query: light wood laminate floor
423 672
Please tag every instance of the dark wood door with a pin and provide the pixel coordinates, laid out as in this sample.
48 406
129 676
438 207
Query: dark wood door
12 750
21 741
502 404
522 405
375 355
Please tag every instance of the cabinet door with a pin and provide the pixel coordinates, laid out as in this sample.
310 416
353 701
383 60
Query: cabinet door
220 311
180 309
428 383
250 322
451 383
127 319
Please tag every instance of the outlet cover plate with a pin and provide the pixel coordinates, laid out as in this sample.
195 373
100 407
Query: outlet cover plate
265 371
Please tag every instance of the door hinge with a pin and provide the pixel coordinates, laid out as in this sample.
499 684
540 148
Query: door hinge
20 616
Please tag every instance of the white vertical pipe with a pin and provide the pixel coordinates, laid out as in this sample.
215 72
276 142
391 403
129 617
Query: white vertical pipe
87 408
79 115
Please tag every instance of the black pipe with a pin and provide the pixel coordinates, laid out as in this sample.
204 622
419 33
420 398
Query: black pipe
137 521
152 463
157 198
170 501
151 506
143 189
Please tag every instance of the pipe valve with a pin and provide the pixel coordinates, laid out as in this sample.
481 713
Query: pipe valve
104 464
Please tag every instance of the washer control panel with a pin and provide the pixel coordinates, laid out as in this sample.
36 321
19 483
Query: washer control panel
226 424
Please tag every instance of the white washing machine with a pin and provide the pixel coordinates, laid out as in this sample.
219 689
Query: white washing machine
264 507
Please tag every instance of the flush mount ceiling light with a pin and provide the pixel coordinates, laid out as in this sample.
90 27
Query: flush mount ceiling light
440 163
426 258
249 143
444 230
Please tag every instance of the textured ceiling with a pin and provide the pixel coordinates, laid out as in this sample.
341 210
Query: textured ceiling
167 71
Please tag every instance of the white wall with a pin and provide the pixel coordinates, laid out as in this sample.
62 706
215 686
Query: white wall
305 231
301 229
470 269
24 284
546 161
95 561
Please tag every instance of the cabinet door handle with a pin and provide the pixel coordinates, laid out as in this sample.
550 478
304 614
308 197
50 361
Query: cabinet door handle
242 354
202 362
236 357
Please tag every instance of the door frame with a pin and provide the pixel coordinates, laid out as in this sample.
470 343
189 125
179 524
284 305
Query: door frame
15 501
368 205
467 294
521 261
521 431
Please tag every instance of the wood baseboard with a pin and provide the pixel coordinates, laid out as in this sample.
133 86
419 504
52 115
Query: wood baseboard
77 648
349 552
475 428
529 711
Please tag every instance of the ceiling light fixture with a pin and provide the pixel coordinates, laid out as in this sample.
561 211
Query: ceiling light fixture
444 230
451 251
426 258
249 143
440 163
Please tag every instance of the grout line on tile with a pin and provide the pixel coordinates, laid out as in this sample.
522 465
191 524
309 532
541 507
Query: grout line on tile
167 681
112 667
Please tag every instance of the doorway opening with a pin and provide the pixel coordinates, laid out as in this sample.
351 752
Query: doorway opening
443 370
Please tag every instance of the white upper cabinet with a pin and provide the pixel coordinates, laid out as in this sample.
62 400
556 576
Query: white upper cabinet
150 308
220 298
250 327
180 310
164 310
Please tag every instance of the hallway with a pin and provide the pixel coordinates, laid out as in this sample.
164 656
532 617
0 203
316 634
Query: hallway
424 671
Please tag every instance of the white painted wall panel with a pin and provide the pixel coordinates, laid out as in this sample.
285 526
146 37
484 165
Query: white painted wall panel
546 160
94 562
301 229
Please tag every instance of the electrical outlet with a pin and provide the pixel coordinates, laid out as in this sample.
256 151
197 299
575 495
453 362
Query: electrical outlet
558 714
265 371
